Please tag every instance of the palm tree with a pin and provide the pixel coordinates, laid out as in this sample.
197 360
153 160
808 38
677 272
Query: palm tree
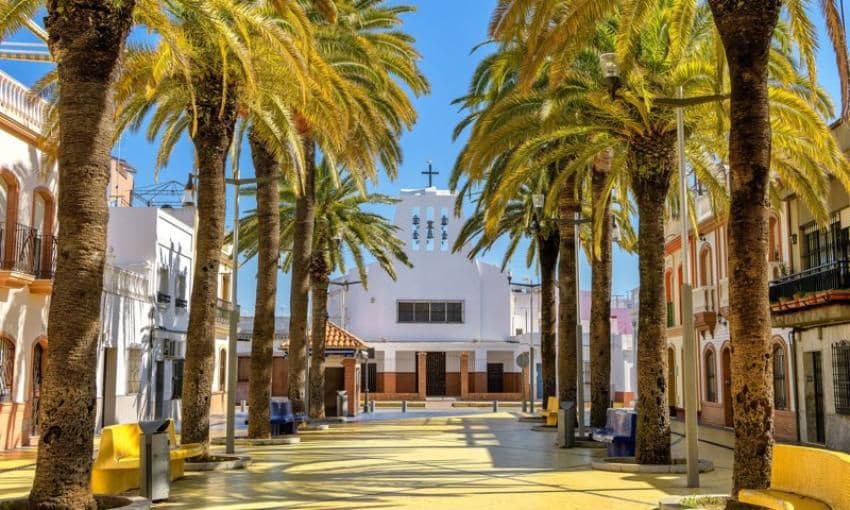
746 30
342 225
641 135
86 40
600 305
193 82
375 66
521 220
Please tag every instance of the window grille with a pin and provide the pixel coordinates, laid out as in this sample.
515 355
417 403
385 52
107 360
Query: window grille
710 377
824 245
841 376
177 379
7 367
134 370
780 397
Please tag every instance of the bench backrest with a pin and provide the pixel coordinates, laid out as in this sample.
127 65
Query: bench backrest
815 472
281 408
552 404
121 441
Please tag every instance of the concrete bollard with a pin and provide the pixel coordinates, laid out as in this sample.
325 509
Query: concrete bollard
371 406
404 406
495 406
242 407
524 406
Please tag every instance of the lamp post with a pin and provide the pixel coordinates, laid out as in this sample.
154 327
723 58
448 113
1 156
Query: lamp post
611 72
530 285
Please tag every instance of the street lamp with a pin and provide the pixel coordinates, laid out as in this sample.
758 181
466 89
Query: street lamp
529 285
611 72
363 357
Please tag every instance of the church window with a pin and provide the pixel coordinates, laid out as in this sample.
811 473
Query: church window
430 312
415 228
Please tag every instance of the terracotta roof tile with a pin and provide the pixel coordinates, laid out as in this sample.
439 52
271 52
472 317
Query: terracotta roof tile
337 338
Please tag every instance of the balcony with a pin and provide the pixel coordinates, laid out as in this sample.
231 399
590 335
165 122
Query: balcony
20 109
815 296
224 310
826 277
705 308
27 258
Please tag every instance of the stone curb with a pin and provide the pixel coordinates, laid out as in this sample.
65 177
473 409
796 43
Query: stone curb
274 441
675 502
130 502
628 465
237 462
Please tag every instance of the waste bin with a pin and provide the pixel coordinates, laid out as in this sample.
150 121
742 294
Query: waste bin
342 403
155 462
566 425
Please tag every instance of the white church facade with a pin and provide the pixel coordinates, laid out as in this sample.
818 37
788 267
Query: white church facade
445 328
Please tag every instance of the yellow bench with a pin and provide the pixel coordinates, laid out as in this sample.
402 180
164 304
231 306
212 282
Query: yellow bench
116 468
551 411
804 478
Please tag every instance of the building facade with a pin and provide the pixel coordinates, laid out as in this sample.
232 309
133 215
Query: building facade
709 276
27 257
811 297
145 312
449 327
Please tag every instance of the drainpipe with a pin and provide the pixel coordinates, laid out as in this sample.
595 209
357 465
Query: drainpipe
796 387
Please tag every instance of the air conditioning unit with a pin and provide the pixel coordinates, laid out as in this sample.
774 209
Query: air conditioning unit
173 348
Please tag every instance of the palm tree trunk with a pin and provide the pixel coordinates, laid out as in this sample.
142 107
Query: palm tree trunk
600 308
746 29
212 140
302 247
87 40
268 255
567 285
319 278
651 165
549 247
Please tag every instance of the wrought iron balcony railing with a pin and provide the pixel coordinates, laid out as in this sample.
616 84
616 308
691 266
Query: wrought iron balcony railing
830 276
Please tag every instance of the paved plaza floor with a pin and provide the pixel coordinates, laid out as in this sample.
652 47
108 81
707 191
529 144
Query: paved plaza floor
477 460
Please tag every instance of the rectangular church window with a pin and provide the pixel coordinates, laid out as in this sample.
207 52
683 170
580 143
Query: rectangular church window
438 312
420 312
454 312
405 312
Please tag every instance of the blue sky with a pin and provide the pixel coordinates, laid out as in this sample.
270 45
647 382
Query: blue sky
446 31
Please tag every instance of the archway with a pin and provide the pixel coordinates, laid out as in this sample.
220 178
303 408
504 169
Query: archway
728 410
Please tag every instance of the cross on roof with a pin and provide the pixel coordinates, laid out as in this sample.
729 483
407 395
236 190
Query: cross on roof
430 173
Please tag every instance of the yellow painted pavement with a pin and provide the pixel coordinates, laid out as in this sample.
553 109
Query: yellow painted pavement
480 460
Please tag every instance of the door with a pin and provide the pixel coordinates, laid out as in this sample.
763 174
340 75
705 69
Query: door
813 370
39 358
435 374
110 370
280 374
159 389
334 381
495 378
728 410
671 380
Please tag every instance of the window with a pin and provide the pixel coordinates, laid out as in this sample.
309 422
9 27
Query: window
372 379
7 367
163 294
177 378
431 312
710 377
780 397
841 376
134 370
181 290
823 245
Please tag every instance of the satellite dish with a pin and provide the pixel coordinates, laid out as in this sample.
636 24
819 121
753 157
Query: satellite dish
522 360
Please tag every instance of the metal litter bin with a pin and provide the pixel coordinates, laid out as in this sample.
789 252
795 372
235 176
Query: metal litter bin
566 425
155 462
342 403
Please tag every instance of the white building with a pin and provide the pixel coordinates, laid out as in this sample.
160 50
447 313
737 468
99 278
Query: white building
449 326
145 315
27 255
